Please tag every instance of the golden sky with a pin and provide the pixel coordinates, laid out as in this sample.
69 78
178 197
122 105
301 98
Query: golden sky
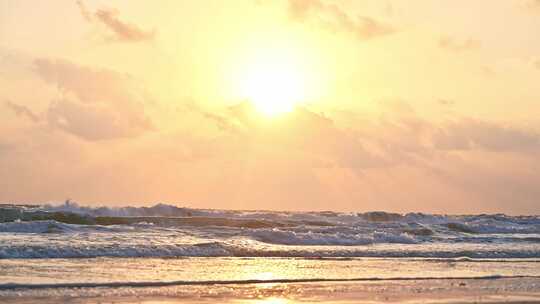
394 105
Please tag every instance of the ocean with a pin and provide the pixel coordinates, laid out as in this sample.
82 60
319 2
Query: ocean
48 251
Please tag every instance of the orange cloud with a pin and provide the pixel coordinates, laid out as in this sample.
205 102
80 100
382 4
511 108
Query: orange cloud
23 111
452 44
253 162
536 63
335 18
121 30
467 134
104 104
533 4
93 122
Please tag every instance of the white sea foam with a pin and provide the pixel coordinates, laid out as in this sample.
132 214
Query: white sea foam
34 227
169 231
276 236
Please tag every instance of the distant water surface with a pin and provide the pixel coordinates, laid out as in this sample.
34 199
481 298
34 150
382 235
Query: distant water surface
70 231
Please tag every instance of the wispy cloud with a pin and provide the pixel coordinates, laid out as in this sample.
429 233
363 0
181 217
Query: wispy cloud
533 4
445 102
536 63
22 111
97 103
470 134
335 18
87 15
92 122
455 45
121 30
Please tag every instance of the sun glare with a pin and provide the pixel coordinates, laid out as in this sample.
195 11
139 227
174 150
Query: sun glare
273 88
274 84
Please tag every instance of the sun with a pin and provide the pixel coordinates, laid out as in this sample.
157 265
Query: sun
273 89
274 84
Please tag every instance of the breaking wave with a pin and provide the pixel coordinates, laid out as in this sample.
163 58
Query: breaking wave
72 231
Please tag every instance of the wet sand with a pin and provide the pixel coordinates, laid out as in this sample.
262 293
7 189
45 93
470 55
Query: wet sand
503 290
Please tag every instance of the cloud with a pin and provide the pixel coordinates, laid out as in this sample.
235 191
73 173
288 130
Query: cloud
446 102
501 182
23 111
111 102
300 9
432 165
400 128
335 18
488 71
532 4
396 160
121 30
92 122
398 137
468 134
87 15
220 120
454 45
330 146
536 63
306 132
390 158
301 131
90 84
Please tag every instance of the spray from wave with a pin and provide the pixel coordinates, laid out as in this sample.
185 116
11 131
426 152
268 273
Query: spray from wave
73 231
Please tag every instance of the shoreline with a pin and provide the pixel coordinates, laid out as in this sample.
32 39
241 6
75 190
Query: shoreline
16 286
457 290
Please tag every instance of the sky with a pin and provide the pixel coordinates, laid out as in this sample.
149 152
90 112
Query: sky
395 105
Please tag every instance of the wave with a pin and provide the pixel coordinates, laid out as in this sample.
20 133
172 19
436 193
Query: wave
73 231
169 215
149 248
11 286
334 239
35 227
52 227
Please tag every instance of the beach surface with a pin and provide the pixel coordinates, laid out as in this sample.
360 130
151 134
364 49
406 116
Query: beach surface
269 280
502 290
